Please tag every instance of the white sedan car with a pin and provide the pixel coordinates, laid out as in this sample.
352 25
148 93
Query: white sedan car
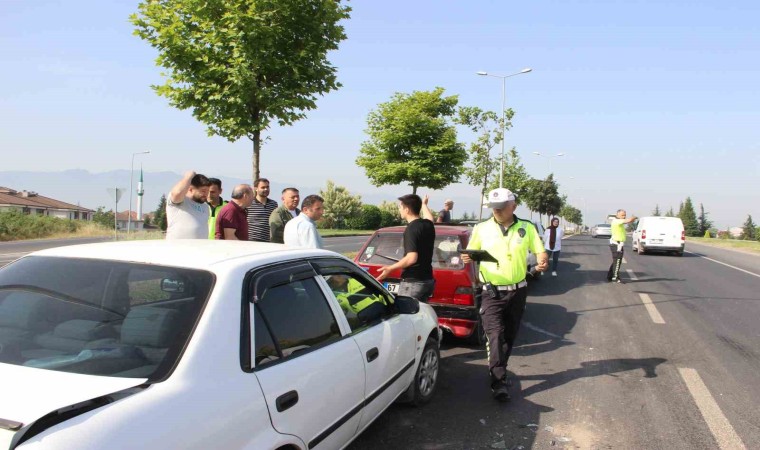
202 345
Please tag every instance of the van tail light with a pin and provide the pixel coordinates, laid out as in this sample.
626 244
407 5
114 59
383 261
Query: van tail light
683 235
463 296
643 234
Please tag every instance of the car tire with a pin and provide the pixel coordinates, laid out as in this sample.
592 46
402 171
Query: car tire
679 253
635 247
641 249
426 379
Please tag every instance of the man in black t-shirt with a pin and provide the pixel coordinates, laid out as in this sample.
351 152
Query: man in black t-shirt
419 237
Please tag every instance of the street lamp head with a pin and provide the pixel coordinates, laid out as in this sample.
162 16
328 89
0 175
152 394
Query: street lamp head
560 154
537 153
526 70
482 73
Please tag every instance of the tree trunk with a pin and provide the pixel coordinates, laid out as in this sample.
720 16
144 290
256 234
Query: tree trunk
414 189
482 194
256 154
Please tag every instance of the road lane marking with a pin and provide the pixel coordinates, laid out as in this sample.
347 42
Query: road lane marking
631 275
651 309
13 255
719 426
542 331
727 265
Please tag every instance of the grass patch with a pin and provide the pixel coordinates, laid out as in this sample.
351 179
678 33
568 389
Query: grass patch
15 226
330 232
748 246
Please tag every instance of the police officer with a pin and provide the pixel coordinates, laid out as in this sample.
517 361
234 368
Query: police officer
617 242
508 239
355 300
215 204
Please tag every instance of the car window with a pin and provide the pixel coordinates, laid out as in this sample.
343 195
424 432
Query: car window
98 317
361 302
290 318
387 248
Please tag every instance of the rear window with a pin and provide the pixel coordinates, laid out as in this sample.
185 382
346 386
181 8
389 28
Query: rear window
604 225
387 248
98 317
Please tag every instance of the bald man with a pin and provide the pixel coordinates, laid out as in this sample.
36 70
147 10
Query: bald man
232 220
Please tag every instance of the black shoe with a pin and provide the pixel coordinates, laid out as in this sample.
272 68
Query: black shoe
501 393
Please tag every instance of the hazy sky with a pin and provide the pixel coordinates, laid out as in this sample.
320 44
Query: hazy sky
651 101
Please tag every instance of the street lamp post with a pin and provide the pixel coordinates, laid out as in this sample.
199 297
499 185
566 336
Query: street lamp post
503 113
549 158
131 172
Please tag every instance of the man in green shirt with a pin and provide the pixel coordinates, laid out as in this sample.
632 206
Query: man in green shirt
215 204
617 241
507 238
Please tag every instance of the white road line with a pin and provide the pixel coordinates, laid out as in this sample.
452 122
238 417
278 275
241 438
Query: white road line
651 309
727 265
632 275
13 255
719 426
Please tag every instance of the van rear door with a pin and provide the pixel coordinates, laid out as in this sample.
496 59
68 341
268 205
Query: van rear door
664 232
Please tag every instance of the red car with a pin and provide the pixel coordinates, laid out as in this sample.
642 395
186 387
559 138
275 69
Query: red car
456 298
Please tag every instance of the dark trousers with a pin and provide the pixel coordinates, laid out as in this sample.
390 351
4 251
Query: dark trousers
617 260
501 321
555 260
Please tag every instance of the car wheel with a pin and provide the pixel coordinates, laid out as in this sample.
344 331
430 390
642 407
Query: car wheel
426 378
641 249
478 336
679 253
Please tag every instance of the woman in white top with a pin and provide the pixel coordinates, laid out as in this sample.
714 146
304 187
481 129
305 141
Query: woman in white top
553 243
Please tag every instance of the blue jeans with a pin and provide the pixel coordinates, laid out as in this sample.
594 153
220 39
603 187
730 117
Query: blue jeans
421 290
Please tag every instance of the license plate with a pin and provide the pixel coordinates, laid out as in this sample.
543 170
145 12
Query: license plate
391 287
656 241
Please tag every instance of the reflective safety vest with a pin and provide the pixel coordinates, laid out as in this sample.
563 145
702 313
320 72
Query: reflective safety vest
212 218
353 300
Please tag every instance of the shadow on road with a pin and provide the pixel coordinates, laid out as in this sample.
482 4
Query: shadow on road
591 369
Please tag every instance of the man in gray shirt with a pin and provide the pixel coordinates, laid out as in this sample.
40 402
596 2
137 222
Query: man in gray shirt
187 212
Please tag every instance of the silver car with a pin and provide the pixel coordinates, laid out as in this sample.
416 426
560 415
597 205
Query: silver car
601 230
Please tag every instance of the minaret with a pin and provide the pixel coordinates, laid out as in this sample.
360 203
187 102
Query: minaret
140 195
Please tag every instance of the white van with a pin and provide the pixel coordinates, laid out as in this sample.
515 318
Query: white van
662 234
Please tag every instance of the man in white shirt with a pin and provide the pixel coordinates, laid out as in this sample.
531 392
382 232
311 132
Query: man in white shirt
187 212
301 231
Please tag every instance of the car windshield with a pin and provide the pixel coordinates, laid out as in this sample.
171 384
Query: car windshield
98 317
387 248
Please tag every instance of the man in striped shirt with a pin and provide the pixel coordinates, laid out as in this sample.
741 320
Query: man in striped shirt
259 212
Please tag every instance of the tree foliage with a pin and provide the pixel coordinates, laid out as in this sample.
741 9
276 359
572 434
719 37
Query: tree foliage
543 196
370 217
489 129
159 216
656 211
571 214
389 213
339 204
103 217
515 176
670 213
689 218
703 223
240 65
749 229
412 140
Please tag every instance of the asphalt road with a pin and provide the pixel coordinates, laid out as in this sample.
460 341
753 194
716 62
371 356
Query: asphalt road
595 371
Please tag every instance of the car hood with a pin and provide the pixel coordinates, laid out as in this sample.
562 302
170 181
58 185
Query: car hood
28 393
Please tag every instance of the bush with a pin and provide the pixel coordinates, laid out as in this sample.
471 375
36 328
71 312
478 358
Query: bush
707 234
16 225
388 219
369 218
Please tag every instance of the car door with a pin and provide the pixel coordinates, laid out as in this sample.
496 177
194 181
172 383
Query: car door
386 339
311 375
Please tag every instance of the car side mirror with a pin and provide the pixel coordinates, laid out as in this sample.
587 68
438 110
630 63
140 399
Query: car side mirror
407 305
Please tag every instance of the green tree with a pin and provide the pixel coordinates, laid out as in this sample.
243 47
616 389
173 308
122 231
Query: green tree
571 214
240 65
689 218
389 213
339 204
146 221
749 229
490 130
703 223
412 139
515 176
656 211
159 216
670 213
370 217
543 196
103 217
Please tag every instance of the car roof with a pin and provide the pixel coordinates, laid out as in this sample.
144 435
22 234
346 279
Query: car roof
440 230
190 253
